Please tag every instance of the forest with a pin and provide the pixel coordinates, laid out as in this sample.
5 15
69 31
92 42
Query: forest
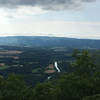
81 81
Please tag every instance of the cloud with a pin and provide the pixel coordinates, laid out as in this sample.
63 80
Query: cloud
45 4
52 28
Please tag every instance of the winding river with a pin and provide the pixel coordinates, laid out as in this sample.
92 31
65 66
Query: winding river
56 66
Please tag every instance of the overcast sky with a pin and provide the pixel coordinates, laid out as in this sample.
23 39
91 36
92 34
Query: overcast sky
69 18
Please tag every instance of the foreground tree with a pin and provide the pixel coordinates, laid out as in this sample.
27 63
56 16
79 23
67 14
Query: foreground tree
14 88
84 65
94 97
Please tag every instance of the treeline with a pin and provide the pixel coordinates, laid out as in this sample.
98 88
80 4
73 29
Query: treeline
83 83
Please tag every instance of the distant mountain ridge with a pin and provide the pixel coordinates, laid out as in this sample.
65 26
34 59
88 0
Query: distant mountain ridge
44 41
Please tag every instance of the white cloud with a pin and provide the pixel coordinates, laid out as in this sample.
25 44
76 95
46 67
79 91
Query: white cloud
54 28
28 20
21 12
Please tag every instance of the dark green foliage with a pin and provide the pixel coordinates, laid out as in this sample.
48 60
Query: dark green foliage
14 88
94 97
44 91
81 84
84 65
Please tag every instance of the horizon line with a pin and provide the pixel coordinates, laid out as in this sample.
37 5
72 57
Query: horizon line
48 36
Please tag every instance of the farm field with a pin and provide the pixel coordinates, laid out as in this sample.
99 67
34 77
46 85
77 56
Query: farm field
34 63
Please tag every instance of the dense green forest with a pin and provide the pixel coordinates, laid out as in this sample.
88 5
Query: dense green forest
81 83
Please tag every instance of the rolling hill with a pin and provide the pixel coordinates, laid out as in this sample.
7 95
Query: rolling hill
43 41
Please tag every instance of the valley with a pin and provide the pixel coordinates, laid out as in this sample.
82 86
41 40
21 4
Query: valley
48 72
34 64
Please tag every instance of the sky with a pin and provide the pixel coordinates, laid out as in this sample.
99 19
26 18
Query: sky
62 18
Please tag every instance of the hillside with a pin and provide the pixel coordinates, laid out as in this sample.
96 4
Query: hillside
38 41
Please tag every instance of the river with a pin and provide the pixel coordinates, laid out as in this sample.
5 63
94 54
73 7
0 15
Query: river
56 66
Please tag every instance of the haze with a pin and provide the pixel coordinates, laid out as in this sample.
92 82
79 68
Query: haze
63 18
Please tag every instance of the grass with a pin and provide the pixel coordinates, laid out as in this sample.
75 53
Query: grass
36 70
4 67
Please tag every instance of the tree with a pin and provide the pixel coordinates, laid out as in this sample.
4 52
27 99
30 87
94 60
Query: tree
84 65
14 88
44 91
94 97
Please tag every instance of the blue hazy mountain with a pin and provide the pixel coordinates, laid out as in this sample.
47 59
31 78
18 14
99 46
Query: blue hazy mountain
43 41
